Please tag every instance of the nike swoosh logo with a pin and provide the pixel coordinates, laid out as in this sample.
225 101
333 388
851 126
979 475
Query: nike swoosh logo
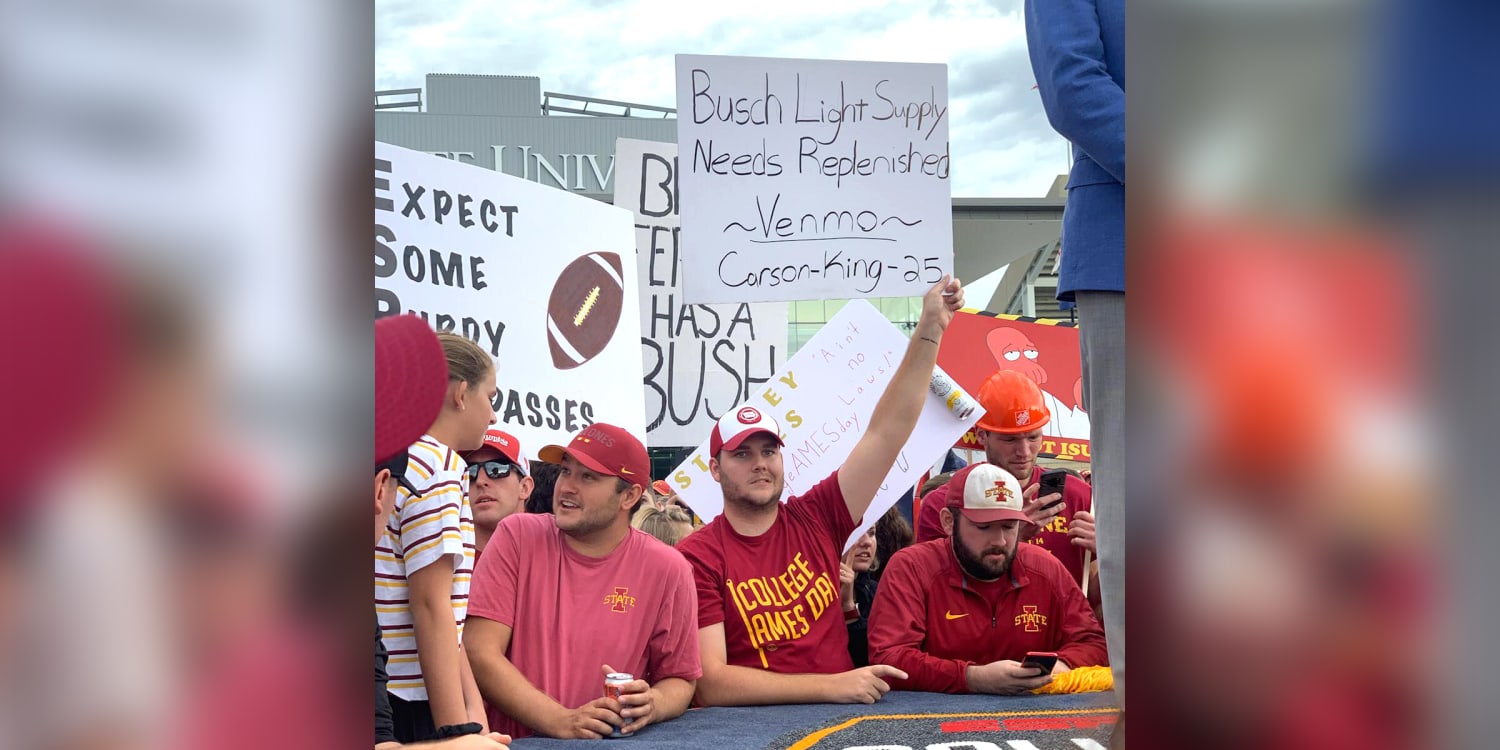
952 616
626 471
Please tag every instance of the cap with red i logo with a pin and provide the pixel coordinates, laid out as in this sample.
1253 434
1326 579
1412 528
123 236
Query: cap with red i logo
986 493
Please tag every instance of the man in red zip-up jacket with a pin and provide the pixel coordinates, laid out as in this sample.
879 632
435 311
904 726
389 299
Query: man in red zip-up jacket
958 614
1011 433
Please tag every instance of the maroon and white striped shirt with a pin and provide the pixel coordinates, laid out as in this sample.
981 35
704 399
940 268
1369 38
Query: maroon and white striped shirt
422 530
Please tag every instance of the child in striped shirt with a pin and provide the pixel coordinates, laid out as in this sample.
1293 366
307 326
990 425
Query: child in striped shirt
424 561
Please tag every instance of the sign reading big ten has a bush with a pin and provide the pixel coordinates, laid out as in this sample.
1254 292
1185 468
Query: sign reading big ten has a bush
812 179
542 280
700 360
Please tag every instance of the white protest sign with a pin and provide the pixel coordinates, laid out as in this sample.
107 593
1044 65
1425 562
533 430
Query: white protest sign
699 360
823 399
541 279
812 179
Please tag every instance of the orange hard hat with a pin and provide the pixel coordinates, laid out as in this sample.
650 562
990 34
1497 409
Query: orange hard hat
1012 404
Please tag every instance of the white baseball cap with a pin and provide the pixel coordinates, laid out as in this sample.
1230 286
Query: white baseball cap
990 494
738 424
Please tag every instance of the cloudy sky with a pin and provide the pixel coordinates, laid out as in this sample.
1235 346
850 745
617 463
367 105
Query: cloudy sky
623 49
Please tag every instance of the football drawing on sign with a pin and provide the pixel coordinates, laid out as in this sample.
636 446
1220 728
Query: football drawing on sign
584 309
1014 350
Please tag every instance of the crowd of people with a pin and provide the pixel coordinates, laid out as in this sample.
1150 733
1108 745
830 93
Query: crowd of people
496 623
505 599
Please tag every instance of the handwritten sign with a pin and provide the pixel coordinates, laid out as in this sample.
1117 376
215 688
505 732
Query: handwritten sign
812 179
541 279
699 360
977 344
823 399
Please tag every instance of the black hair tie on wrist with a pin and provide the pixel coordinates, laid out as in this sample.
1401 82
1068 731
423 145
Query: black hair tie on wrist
458 730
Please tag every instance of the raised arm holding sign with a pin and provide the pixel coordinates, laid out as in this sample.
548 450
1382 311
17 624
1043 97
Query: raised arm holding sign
770 629
897 411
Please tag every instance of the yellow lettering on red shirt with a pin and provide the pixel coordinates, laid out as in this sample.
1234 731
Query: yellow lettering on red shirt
761 632
823 594
619 600
801 564
759 589
1032 620
775 608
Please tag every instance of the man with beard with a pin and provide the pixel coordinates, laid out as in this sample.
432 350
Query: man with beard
560 600
1011 432
770 629
499 483
958 614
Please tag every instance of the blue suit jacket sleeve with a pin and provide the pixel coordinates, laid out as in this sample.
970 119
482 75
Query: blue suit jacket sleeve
1082 100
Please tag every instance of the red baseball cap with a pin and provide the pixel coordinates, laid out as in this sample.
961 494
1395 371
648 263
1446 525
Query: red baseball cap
411 376
606 449
64 330
506 445
986 493
735 426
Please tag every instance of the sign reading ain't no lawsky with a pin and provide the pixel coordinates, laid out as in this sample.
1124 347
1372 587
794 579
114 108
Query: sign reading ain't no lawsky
812 179
823 399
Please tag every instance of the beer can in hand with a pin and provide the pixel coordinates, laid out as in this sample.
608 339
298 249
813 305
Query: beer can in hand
953 396
612 684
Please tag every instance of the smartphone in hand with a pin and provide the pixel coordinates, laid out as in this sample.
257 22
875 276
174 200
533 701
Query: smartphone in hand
1052 484
1043 660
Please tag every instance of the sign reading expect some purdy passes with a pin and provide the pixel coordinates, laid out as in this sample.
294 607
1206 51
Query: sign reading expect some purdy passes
542 280
812 179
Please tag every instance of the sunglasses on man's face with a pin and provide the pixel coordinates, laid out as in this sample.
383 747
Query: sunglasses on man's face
492 469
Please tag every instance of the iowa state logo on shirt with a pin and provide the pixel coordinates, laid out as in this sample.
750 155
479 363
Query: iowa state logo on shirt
619 600
1029 617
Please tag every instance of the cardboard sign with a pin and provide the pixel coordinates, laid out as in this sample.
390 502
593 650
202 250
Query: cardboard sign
812 179
977 344
823 399
541 279
700 360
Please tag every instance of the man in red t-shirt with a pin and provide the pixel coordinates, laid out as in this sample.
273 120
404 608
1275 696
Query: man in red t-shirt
1011 432
560 600
770 629
929 617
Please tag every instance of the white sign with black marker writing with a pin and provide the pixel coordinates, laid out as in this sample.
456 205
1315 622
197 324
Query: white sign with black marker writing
542 280
823 400
812 179
700 360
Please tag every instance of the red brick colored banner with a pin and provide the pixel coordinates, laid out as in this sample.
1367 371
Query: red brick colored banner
978 343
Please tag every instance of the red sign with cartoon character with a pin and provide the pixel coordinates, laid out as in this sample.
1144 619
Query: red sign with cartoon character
977 344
